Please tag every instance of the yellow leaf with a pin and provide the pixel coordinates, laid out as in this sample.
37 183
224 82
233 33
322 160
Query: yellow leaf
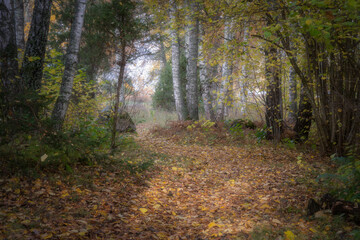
313 230
211 225
64 194
17 191
46 236
265 206
143 210
174 168
157 206
308 22
289 235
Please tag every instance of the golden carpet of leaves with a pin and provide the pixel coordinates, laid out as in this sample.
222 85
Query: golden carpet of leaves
194 192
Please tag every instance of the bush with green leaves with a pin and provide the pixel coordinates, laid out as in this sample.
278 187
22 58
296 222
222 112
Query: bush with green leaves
260 134
46 151
345 182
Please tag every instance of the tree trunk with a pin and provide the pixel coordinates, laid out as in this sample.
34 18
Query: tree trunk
122 64
8 54
304 118
273 112
224 98
19 25
71 60
244 75
162 53
191 68
205 83
32 67
292 95
175 56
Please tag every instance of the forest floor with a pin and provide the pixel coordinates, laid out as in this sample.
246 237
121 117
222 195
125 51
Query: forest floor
191 190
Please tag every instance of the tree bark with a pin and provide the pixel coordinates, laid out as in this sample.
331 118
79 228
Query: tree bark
71 60
273 112
32 67
19 26
122 64
8 52
175 56
244 75
303 119
191 67
205 82
293 107
224 98
162 53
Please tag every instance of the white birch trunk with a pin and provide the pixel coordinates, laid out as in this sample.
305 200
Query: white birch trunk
205 82
71 60
191 67
226 73
293 108
175 56
244 76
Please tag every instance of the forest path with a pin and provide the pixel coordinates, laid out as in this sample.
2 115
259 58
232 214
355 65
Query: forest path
218 192
192 191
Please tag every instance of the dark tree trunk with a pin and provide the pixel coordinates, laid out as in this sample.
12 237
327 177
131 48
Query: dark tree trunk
122 64
8 50
32 68
303 119
273 112
19 26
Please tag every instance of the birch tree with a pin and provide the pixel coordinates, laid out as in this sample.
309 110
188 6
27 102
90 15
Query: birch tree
192 30
226 71
292 95
175 57
71 60
204 80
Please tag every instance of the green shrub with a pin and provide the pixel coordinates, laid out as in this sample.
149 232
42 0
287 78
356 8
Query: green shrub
260 134
345 182
48 151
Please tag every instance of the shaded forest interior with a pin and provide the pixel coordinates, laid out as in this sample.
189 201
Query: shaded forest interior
179 119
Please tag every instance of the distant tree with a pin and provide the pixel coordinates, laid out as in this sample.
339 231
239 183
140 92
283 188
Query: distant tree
164 93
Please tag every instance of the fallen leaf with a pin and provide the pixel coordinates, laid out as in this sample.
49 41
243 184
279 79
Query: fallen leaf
274 220
143 210
212 224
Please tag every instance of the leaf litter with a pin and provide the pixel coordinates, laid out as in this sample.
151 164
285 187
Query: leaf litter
192 192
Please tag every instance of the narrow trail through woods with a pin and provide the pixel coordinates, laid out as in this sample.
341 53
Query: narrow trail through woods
192 191
223 192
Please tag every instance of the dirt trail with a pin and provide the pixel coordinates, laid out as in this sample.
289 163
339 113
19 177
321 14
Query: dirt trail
220 192
192 192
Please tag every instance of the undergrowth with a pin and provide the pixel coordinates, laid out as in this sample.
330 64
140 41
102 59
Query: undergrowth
31 154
